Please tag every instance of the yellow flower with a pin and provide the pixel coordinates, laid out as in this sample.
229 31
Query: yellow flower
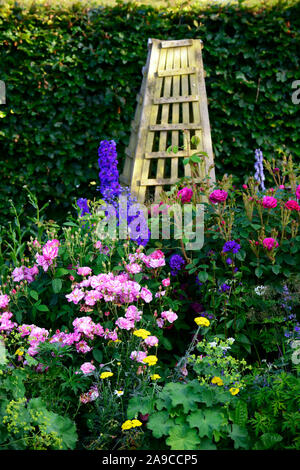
202 321
127 425
155 377
141 333
217 380
234 390
105 375
150 360
19 352
131 424
136 422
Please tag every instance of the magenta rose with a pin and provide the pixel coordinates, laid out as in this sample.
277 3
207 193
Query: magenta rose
292 205
218 195
270 243
185 195
298 192
269 202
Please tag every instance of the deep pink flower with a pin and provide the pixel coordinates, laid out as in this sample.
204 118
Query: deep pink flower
269 202
298 192
270 243
185 195
166 282
218 196
292 205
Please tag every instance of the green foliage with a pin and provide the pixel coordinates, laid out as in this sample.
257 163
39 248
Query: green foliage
28 424
273 404
194 416
72 75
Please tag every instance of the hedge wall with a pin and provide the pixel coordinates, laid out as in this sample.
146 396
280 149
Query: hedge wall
72 76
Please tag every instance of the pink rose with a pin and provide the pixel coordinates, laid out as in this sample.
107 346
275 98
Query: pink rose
169 316
84 271
87 368
146 295
185 195
166 282
125 323
292 205
270 243
4 301
298 192
151 340
218 196
269 202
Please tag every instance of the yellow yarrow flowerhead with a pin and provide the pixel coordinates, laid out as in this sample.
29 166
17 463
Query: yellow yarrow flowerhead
234 391
142 333
155 377
150 360
217 380
105 375
134 423
202 321
127 425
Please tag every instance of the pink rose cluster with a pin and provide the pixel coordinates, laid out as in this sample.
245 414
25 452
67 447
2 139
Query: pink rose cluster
4 300
270 243
218 196
25 274
132 316
49 253
36 335
185 195
5 322
84 329
155 260
118 289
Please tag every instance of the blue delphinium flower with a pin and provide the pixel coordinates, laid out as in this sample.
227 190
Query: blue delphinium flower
224 287
111 190
231 246
176 263
82 203
108 174
259 169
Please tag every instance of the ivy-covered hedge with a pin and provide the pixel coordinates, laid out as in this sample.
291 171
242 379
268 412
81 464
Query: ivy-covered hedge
72 76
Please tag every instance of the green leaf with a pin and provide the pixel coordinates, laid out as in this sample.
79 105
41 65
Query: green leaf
203 276
183 438
160 424
258 271
98 355
139 404
34 294
240 413
42 308
240 437
61 272
56 285
276 269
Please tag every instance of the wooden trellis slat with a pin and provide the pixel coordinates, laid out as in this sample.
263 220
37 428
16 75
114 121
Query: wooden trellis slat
171 107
